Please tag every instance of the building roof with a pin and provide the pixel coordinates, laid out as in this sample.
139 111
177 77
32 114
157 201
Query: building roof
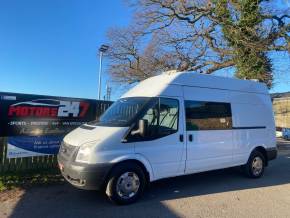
281 95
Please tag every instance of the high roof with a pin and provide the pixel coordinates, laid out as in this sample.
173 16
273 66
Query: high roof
155 85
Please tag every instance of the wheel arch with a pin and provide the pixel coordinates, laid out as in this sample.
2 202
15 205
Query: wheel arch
137 159
262 150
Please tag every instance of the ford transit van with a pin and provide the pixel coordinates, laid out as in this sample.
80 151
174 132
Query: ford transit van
171 125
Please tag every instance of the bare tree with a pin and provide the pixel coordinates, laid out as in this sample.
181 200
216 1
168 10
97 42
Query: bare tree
201 35
131 61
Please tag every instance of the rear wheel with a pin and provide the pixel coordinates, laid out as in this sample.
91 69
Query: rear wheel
126 183
256 165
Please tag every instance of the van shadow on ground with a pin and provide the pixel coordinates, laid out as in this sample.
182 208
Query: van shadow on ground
66 201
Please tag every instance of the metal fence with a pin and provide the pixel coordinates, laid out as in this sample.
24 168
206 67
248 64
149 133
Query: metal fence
38 163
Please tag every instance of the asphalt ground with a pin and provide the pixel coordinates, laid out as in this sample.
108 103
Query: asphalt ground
221 193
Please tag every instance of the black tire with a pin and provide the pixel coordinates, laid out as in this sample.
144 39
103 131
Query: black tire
249 168
115 176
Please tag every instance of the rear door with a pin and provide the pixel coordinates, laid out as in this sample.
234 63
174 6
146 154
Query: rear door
208 129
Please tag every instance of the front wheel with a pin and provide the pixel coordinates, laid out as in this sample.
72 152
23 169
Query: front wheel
126 183
256 165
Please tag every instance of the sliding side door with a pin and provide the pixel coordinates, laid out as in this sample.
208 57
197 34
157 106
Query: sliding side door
208 129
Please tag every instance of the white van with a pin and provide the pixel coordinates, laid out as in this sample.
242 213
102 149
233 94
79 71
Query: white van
171 125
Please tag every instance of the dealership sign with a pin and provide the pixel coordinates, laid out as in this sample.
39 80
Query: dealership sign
33 115
48 108
37 124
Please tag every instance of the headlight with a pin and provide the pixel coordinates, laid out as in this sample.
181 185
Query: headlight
84 152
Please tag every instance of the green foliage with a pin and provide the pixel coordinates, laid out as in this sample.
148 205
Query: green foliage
30 178
2 186
243 36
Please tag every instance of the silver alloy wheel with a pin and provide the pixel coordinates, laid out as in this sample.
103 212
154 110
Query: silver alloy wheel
128 185
257 166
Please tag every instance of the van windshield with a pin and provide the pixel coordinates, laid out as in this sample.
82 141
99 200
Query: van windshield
122 112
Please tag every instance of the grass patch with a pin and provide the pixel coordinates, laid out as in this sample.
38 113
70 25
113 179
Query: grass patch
2 186
30 178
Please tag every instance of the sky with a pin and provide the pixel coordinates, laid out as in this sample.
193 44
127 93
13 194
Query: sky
49 47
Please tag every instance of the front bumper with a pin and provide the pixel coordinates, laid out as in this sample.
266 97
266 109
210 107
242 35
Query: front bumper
84 176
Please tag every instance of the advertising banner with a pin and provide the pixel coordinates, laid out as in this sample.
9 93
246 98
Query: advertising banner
36 124
28 146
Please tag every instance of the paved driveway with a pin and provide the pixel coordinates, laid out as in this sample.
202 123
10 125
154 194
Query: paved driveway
223 193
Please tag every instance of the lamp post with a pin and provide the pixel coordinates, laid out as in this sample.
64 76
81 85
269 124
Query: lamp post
102 50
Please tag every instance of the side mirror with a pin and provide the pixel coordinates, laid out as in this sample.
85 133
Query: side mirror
142 128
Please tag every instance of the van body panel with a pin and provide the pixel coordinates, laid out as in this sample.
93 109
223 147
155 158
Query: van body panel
209 150
253 122
106 141
237 97
245 141
205 94
249 115
81 135
160 89
215 82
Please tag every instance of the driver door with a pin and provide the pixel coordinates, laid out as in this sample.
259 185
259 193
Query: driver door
163 145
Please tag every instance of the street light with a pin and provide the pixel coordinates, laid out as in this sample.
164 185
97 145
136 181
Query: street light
102 50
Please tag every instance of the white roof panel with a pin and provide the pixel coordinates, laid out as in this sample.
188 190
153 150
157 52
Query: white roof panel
156 85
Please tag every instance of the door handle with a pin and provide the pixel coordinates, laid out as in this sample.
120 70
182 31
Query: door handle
190 138
181 137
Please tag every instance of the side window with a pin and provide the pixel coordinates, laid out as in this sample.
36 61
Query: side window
162 118
168 120
152 117
208 115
